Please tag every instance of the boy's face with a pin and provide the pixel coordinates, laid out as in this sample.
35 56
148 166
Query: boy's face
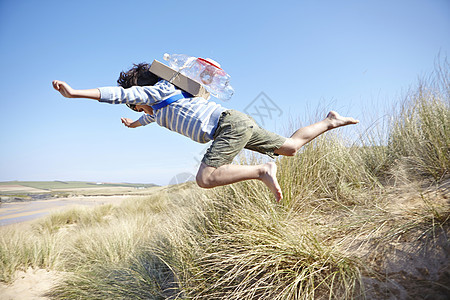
144 108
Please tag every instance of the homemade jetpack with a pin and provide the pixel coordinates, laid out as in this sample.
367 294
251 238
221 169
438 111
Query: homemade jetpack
179 80
194 76
188 85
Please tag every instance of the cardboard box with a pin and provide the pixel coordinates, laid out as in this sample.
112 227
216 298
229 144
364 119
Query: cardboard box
179 80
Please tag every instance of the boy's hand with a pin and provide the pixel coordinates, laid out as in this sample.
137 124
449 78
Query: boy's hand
65 89
68 92
129 123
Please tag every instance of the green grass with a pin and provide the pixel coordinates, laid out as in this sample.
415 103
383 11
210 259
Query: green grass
346 204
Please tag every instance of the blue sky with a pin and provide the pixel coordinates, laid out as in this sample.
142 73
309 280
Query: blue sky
356 57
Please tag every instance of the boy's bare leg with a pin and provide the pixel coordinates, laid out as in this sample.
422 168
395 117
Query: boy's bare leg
306 134
209 177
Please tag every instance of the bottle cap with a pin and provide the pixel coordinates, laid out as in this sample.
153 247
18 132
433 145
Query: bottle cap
210 62
213 62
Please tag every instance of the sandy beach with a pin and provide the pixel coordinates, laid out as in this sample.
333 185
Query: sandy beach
22 211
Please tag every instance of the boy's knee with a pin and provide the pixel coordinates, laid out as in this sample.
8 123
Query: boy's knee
290 148
292 152
287 150
203 181
200 182
205 178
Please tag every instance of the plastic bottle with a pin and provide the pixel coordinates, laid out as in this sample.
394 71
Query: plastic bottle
179 61
204 71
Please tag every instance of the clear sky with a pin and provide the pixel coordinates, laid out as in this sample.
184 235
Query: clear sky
356 57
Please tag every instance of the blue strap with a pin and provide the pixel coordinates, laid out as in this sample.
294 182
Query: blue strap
171 100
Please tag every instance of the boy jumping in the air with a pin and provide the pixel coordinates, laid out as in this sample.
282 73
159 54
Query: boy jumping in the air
203 121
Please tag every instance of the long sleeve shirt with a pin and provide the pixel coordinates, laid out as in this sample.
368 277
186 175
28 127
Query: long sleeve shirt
195 117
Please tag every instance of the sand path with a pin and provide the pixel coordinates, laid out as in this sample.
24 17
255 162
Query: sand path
16 212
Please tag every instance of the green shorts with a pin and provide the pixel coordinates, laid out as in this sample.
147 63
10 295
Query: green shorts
236 131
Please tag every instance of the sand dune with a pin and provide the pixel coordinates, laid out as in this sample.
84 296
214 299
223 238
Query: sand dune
32 284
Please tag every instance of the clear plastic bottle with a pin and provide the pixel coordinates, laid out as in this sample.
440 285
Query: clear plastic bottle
205 71
179 61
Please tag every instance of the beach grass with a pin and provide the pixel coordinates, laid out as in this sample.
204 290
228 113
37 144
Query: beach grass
347 205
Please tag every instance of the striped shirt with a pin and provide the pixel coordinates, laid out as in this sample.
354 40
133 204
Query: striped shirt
195 117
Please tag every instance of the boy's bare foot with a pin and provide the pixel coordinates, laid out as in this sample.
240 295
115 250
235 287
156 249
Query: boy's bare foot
269 177
336 120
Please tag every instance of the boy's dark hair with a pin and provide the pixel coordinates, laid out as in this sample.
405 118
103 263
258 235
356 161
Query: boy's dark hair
139 75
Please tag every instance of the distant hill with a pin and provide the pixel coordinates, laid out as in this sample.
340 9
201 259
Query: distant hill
12 187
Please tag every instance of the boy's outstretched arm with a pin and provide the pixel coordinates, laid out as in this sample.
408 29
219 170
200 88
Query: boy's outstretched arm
68 92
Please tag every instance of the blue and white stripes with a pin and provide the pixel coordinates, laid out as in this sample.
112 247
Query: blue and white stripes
195 118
